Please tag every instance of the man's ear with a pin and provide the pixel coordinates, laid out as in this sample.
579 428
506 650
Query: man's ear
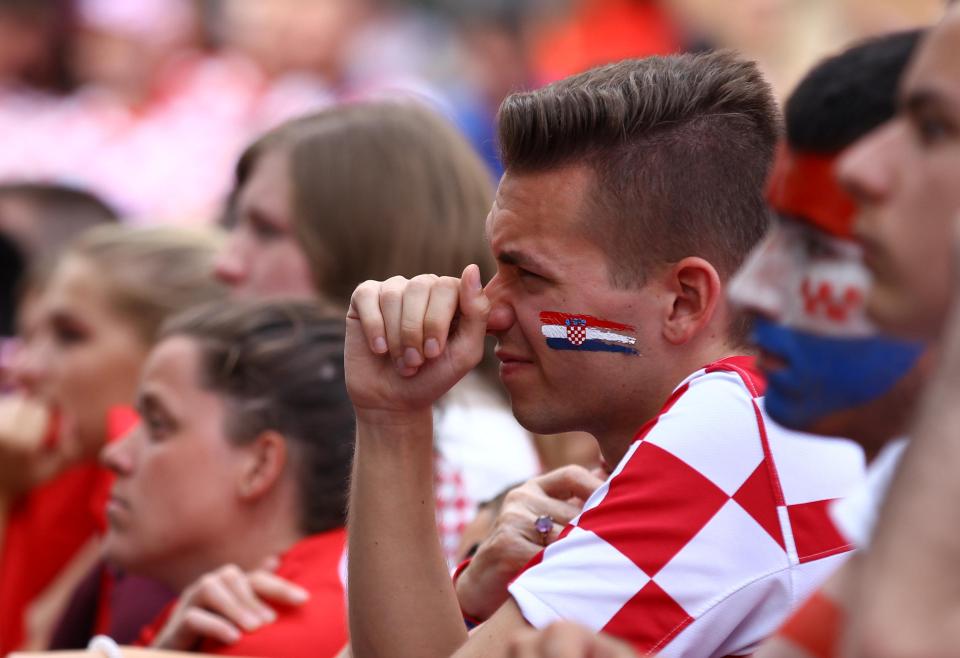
696 292
263 465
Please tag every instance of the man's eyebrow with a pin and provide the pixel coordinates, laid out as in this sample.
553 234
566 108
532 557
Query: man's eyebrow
925 98
518 259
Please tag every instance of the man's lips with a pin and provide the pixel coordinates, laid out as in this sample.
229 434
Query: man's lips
508 357
117 504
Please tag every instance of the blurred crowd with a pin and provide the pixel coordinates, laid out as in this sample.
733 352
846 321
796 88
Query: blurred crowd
148 102
252 252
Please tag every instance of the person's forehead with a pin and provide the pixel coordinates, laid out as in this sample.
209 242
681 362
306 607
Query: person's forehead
173 365
539 209
936 68
268 185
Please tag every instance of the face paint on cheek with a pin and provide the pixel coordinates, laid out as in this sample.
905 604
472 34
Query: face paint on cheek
834 303
830 293
827 374
585 333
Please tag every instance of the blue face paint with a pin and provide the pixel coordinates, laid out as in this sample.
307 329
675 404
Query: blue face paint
826 374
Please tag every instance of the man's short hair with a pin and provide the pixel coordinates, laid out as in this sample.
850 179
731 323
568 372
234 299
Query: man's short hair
680 147
848 95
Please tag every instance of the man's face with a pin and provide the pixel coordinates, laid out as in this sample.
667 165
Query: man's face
906 180
820 354
576 352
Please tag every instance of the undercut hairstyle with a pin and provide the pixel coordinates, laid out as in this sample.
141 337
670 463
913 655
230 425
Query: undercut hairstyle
279 366
679 148
848 95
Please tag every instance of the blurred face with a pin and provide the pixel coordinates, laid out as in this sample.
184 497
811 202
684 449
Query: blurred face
79 354
906 180
262 257
176 473
806 289
576 353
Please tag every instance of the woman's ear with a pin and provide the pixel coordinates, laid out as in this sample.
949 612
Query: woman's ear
263 466
697 291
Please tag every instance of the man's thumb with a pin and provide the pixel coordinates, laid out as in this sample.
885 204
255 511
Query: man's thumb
474 304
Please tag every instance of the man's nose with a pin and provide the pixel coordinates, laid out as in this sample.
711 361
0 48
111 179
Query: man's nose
502 315
864 169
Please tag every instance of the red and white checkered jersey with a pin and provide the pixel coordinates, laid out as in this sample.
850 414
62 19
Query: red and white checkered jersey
712 527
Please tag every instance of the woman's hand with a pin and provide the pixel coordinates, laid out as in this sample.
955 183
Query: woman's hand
224 604
24 459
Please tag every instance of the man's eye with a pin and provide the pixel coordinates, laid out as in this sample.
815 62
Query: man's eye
157 428
930 130
527 274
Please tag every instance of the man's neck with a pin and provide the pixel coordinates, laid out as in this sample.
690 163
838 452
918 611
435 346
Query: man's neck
615 439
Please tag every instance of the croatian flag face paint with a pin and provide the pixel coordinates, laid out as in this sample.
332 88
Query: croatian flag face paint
808 290
805 279
586 333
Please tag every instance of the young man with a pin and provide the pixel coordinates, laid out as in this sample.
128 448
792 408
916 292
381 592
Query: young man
905 179
632 192
828 369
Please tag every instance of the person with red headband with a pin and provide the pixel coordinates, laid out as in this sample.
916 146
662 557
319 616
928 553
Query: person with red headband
829 370
805 283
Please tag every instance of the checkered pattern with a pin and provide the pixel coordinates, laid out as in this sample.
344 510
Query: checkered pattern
707 533
576 331
455 509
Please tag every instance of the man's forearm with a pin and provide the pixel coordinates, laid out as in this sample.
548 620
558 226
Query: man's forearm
402 602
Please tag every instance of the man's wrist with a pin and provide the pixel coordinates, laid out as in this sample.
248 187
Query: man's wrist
378 421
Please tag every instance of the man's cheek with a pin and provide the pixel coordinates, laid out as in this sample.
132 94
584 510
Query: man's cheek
828 301
832 300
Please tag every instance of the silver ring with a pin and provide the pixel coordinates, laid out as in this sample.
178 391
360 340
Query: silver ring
105 645
543 525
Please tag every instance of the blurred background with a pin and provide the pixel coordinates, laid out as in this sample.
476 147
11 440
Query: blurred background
148 103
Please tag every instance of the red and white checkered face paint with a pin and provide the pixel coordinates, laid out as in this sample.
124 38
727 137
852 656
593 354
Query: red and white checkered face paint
805 279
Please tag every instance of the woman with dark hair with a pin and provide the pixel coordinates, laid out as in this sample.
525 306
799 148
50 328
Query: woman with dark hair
237 477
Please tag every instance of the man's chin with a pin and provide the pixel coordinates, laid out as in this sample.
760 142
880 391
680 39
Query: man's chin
538 419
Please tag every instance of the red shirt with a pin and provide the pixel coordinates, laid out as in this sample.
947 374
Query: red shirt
46 528
316 629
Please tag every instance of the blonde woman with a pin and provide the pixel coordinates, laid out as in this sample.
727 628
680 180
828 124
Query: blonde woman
87 330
